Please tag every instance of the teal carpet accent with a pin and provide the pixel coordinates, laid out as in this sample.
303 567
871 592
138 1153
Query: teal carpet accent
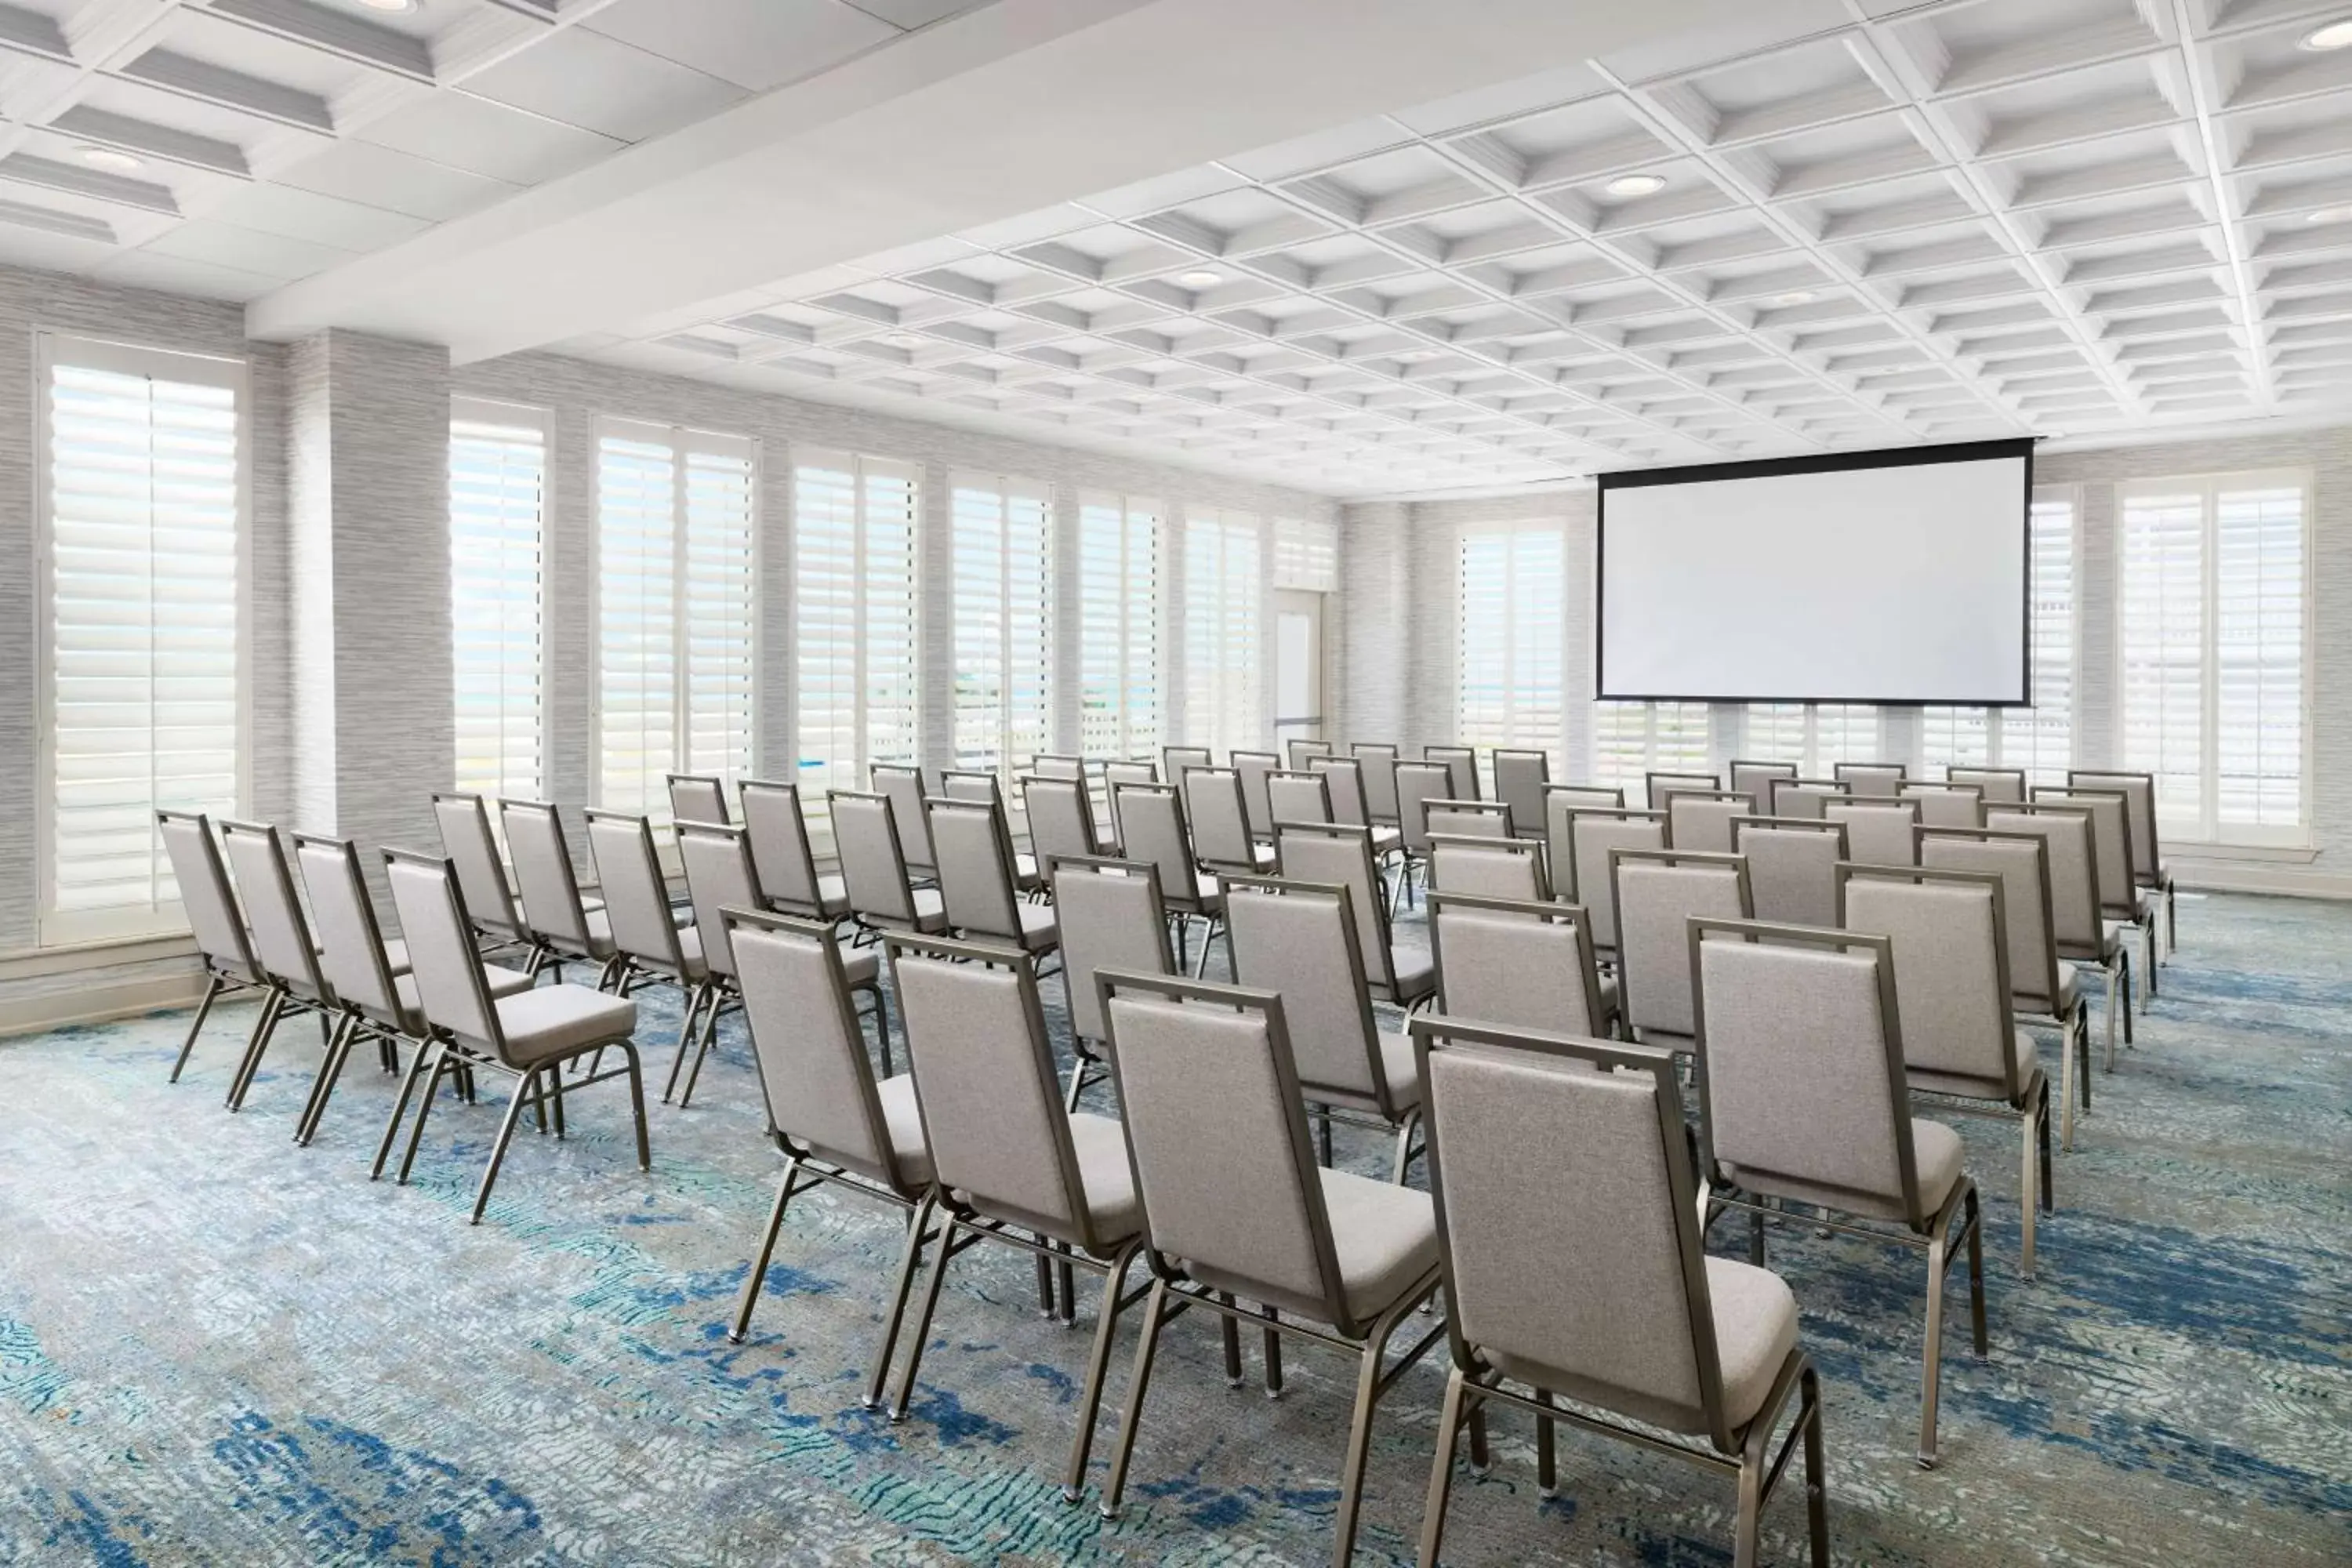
216 1348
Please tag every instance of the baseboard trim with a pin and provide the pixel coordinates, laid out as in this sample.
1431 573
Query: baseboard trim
100 1003
2290 881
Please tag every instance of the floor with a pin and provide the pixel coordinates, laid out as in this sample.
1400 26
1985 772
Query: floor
217 1348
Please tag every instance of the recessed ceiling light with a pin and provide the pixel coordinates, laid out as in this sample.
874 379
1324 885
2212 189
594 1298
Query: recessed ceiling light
2334 35
1203 279
902 340
1416 353
389 4
1794 297
1637 185
113 160
2329 215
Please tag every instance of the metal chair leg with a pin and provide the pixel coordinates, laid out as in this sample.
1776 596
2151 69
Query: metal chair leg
638 1103
255 1045
424 1109
702 1052
1270 1351
524 1091
330 1068
685 1037
767 1250
1229 1340
1359 1431
417 1060
1405 1130
1441 1469
1932 1356
923 1321
1817 1497
2029 1189
203 1010
1097 1364
1138 1383
908 1260
1547 1458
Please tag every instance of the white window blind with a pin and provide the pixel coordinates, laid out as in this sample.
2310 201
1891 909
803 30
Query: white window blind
1777 732
498 495
139 529
1003 622
1119 604
1221 583
2039 738
1508 689
1845 732
855 523
1815 736
1630 739
1306 555
2212 618
677 586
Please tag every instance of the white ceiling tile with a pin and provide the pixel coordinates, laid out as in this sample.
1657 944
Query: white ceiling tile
308 216
360 171
246 249
185 275
911 14
486 138
586 80
755 44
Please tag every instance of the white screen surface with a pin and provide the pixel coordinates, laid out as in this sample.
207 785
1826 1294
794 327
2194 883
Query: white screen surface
1898 584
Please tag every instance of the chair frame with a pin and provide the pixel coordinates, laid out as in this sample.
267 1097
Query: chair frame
1461 765
1762 796
2119 971
1528 849
504 927
1090 1067
2138 914
1386 980
1577 872
1715 794
1554 912
1539 761
717 788
221 969
1738 864
287 993
2152 875
1772 790
551 950
1676 781
1389 754
802 849
358 1021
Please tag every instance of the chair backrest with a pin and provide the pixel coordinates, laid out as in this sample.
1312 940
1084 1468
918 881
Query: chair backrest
1483 863
442 959
1252 768
1343 781
465 824
1791 868
2022 861
1945 805
1299 939
985 1081
1520 779
1804 798
970 785
282 936
1151 828
1340 854
544 876
901 784
1110 917
1378 762
2118 869
1054 765
1660 784
1297 797
1209 1067
1567 1221
1299 753
1877 829
774 819
1754 781
1174 760
1465 818
1521 964
698 797
978 886
204 891
1116 773
814 1074
1790 1016
873 863
1703 819
1221 831
350 941
2000 786
1592 833
637 903
720 875
1461 765
1870 778
2139 812
1061 817
2074 921
1950 943
1416 782
1558 800
1658 892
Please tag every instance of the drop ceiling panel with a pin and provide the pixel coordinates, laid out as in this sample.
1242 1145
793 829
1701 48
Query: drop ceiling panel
603 85
754 43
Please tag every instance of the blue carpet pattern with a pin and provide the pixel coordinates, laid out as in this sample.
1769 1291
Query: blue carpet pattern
217 1348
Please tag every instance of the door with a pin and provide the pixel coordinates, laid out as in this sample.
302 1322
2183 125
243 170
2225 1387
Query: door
1298 669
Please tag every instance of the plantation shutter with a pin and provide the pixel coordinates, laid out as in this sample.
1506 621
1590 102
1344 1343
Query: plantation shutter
1306 555
1003 622
854 529
1118 627
2161 647
1221 631
498 495
1508 688
636 571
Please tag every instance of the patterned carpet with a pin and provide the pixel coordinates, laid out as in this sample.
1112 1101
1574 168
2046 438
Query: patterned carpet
217 1348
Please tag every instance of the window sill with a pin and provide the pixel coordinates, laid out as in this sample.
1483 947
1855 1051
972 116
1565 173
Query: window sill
2277 854
63 958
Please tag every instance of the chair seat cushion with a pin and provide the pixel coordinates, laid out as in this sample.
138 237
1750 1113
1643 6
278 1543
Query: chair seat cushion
551 1021
1935 1159
1040 928
396 955
1100 1144
1613 993
862 965
1386 840
1416 977
499 980
689 947
1755 1330
1385 1237
2022 1052
904 1117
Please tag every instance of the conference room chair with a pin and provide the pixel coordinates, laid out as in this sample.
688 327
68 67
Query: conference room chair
1575 1269
777 825
1260 1234
1298 754
1112 918
1479 863
1061 819
1461 766
1658 786
1703 819
1521 777
1878 828
657 946
2121 904
1790 1016
1057 765
1153 830
881 890
464 821
1945 804
1110 834
1659 893
1416 783
1174 760
976 786
1791 868
1870 778
2044 989
969 784
1253 769
1754 780
1340 854
2153 876
1465 818
1518 964
561 926
1804 798
532 1035
721 876
1961 1043
1296 797
1010 1163
378 999
698 797
2076 923
830 1118
1593 835
223 944
1298 941
283 951
1378 761
2000 787
902 786
1222 839
1343 777
979 887
1559 801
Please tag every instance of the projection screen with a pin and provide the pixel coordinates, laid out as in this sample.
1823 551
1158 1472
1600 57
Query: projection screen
1896 576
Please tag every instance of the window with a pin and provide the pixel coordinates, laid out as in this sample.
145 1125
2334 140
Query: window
1507 673
1118 627
676 572
1306 556
498 494
2039 738
853 521
2211 628
1003 622
1815 736
140 534
1632 739
1221 631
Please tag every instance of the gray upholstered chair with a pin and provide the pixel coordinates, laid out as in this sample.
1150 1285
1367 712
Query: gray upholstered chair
558 921
830 1116
698 797
466 839
1658 784
1174 760
1057 765
1878 828
882 894
532 1034
1343 778
1114 774
1804 798
1061 819
1521 776
1417 783
901 784
1153 830
1518 964
969 784
1296 797
1465 818
1791 868
1298 754
222 941
1960 1040
1253 769
1754 780
1575 1268
1477 863
1010 1161
777 825
1299 939
1255 1232
656 947
1342 855
1870 778
1593 834
1559 801
2000 787
1703 819
2149 870
1793 1019
1112 918
2076 923
1378 762
1945 804
2121 904
285 953
1461 766
1222 839
1658 893
978 885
